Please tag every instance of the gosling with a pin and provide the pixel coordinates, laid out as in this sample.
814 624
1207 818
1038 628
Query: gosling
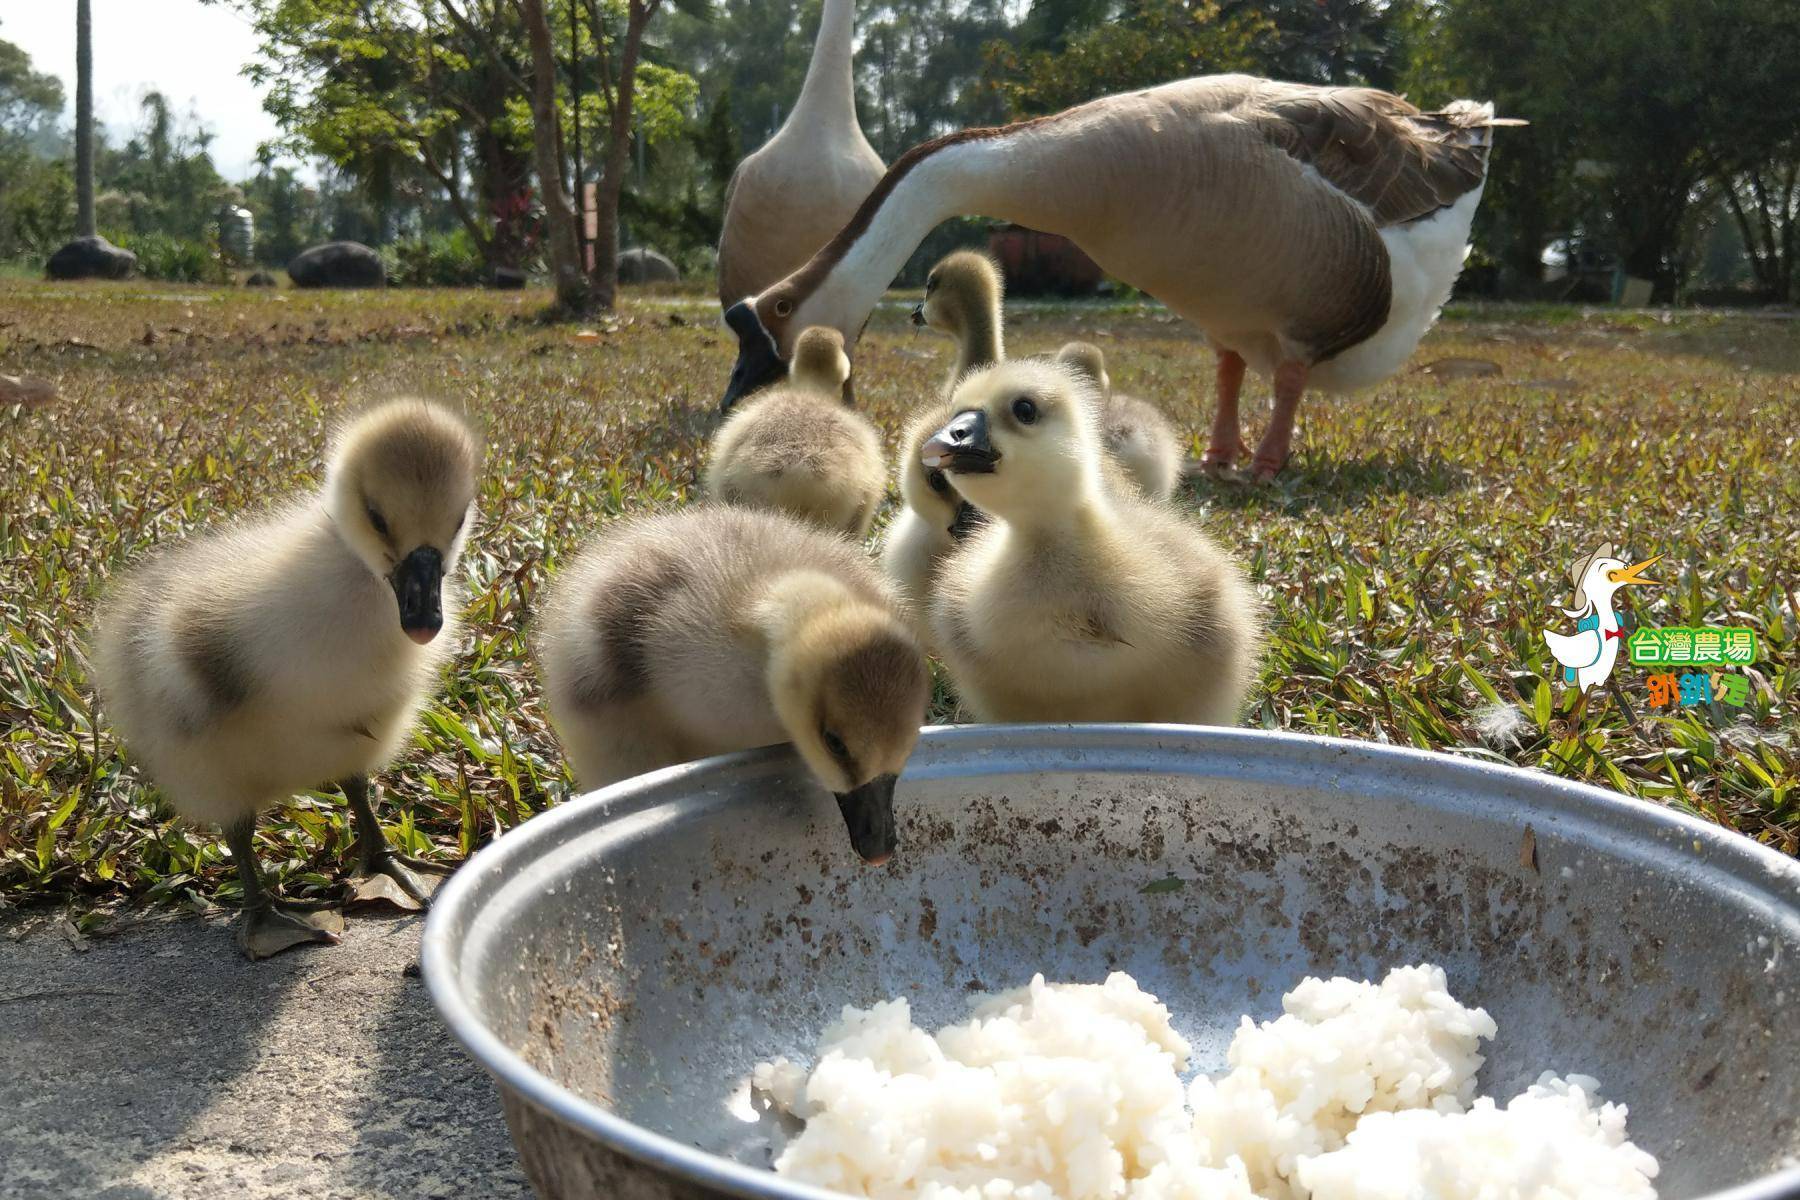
710 629
1136 432
1078 601
931 520
288 651
798 450
963 300
963 297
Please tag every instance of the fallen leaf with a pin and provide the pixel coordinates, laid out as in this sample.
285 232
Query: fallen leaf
1461 368
26 390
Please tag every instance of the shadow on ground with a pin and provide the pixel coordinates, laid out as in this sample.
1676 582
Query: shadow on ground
158 1063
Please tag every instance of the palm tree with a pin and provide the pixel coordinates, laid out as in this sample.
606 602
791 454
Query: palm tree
84 119
89 255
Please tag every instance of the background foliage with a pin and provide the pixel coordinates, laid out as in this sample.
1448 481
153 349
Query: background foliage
1662 138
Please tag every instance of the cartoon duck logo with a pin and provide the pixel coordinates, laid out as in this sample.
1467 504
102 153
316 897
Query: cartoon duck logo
1588 654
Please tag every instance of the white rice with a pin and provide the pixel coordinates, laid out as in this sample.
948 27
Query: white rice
1358 1091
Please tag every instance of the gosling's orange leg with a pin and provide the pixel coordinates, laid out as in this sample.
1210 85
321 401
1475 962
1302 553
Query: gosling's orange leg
1226 444
1272 452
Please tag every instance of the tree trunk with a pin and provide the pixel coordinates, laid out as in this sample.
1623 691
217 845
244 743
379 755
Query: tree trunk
572 292
84 119
605 279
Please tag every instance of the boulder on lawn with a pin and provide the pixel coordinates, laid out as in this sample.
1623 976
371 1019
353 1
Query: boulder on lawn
90 258
646 266
337 265
509 279
260 279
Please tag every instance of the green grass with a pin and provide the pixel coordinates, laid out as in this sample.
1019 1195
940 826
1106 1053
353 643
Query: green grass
1410 555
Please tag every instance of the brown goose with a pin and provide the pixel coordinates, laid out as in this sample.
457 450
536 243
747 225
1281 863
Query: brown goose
788 198
1312 233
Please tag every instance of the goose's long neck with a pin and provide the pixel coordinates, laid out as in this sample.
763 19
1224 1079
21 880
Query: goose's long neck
829 92
981 344
963 178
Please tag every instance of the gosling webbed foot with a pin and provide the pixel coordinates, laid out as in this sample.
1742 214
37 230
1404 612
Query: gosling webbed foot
384 875
266 929
399 880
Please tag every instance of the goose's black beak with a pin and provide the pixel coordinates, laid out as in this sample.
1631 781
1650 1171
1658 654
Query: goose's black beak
417 584
918 314
869 815
962 446
758 364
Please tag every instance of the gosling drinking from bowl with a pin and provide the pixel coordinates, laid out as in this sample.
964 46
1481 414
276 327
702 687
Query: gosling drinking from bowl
1077 601
292 650
711 629
797 449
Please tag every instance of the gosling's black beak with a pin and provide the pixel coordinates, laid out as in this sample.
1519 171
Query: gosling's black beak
918 313
962 446
967 520
869 815
417 583
758 365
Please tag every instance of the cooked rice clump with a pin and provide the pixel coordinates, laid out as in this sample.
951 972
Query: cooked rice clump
1359 1091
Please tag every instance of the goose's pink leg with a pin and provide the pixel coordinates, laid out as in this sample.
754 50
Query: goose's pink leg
1226 443
1272 451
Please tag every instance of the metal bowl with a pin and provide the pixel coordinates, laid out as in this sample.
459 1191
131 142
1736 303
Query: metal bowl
620 963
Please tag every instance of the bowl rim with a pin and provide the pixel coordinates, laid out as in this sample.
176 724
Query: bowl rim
440 967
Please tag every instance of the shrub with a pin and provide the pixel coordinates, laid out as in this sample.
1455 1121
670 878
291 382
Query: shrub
436 260
173 259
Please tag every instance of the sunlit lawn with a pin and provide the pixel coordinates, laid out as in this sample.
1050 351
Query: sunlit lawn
1412 553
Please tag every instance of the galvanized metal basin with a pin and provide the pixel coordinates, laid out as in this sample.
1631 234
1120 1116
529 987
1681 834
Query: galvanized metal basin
620 963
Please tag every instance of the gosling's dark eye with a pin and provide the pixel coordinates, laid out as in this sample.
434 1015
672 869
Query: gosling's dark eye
1025 409
378 521
938 483
784 307
835 744
931 285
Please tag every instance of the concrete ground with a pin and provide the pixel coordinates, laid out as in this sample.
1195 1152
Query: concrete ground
157 1062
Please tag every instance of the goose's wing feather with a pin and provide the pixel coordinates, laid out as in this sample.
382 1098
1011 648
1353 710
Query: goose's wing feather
1574 650
1400 163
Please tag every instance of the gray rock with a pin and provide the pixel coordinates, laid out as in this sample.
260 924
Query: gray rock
260 279
509 279
641 265
90 258
337 265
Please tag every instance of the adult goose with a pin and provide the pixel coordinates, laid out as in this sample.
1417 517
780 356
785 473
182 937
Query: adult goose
1312 233
788 198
